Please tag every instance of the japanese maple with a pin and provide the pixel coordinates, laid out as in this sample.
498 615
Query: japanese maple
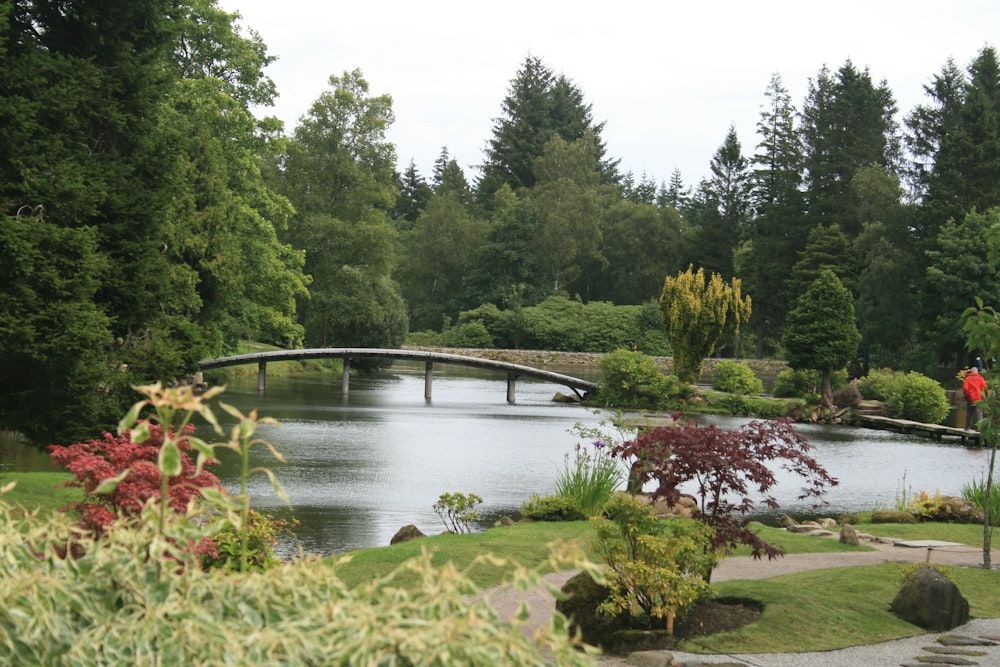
730 468
95 461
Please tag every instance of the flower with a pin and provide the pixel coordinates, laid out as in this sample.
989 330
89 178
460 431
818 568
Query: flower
600 444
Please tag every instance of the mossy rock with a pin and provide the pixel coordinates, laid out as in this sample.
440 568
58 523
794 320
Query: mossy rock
893 516
583 596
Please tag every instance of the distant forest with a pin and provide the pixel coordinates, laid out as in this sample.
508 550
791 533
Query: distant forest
150 219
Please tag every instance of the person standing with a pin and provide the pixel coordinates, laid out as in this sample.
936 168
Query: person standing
974 388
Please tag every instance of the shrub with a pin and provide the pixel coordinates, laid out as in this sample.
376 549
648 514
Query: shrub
796 383
848 396
95 462
552 508
262 536
467 334
633 380
876 385
458 511
657 566
736 378
119 605
917 397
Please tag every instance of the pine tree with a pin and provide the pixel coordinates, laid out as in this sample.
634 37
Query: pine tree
821 332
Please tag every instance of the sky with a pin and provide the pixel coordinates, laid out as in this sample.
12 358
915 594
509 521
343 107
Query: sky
668 79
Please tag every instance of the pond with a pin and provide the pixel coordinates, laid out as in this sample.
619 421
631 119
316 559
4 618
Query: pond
360 467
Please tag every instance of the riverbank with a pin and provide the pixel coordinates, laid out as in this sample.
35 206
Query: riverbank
763 368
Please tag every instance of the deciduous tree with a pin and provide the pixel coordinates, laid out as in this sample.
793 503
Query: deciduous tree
729 468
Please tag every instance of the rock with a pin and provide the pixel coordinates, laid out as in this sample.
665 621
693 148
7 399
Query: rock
560 397
405 534
504 521
650 659
848 535
787 521
929 600
583 595
827 522
892 516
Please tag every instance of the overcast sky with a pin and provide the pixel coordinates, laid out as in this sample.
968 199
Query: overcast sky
667 79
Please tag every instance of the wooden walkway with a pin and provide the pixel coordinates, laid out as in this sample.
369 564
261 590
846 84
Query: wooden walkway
936 431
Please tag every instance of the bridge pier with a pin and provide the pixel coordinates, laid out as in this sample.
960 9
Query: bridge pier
428 379
345 377
511 382
261 376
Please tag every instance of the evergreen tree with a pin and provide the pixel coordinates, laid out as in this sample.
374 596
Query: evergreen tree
827 249
538 106
778 230
414 193
966 171
725 218
821 332
449 178
848 123
675 194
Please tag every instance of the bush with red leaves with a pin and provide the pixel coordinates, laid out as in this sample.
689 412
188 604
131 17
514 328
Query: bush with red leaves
94 461
728 465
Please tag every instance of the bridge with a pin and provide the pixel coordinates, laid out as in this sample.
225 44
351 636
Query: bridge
513 371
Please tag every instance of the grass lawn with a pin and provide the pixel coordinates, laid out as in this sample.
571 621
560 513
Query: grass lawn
40 490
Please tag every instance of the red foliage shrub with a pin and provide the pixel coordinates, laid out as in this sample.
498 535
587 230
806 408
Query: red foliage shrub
94 461
728 465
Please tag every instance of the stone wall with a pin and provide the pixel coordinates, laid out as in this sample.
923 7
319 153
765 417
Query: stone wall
763 368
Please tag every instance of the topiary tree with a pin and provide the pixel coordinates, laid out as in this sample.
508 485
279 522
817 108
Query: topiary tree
821 332
698 316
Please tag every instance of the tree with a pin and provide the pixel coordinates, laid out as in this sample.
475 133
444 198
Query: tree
848 123
778 229
437 258
338 172
566 200
538 106
699 316
821 333
132 120
966 135
727 467
826 248
981 325
640 246
960 270
721 227
414 193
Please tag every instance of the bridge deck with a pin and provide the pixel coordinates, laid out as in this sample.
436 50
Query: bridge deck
513 371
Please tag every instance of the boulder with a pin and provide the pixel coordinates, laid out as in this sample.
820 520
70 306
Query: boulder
405 534
583 596
931 601
848 535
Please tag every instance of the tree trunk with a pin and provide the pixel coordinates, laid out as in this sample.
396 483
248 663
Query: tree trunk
827 391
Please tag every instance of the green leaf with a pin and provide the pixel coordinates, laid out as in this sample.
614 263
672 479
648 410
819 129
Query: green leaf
110 485
170 459
129 420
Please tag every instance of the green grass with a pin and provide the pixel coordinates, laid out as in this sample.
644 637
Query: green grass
833 608
40 490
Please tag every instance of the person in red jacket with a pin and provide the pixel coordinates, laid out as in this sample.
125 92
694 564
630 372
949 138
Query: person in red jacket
974 388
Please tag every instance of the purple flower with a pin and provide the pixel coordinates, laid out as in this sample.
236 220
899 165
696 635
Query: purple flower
599 444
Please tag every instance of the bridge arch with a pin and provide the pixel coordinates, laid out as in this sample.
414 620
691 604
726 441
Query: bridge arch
513 371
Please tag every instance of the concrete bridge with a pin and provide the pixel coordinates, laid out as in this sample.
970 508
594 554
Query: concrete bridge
513 371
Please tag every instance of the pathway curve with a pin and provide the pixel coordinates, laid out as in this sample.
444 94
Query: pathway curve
507 601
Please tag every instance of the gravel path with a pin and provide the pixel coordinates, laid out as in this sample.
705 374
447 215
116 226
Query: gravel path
542 604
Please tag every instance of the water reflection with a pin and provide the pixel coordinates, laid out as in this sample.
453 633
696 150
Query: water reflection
360 467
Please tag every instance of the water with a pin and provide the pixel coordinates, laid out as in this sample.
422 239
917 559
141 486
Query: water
360 467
